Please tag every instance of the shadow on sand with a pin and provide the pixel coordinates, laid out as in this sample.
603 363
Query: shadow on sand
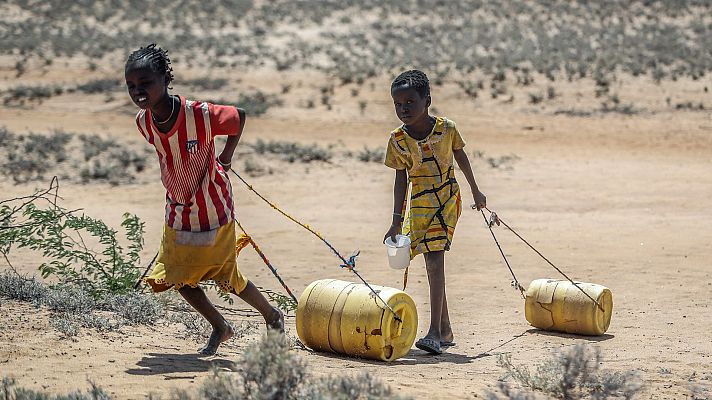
419 357
160 363
596 339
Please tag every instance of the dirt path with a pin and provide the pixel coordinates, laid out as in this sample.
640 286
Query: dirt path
615 200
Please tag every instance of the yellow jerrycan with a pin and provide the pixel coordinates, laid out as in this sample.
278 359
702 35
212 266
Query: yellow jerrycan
344 317
558 305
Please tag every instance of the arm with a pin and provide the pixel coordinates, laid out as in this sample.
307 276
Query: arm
225 157
464 163
399 188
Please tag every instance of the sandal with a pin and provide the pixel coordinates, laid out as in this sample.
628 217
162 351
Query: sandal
429 345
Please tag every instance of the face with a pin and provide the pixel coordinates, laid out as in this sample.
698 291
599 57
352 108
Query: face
145 86
410 106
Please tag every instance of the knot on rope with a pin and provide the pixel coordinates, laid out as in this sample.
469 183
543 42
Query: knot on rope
493 219
351 262
516 285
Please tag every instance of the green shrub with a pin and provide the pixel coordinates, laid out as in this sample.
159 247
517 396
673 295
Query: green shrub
57 234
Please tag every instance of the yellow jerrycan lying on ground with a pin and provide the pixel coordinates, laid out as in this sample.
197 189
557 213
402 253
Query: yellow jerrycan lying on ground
558 305
344 317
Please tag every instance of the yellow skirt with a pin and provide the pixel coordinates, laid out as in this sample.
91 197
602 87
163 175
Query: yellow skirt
188 258
434 211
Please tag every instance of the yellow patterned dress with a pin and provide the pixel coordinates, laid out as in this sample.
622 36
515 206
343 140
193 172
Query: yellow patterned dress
435 203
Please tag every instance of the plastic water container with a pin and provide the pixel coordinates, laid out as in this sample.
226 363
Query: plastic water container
398 251
558 305
344 317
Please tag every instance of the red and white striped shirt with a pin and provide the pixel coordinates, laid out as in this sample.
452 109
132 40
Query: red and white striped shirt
198 191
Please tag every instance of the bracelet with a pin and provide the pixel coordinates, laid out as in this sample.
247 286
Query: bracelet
398 215
221 163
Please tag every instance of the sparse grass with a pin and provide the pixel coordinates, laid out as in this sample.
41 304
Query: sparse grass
22 94
21 288
591 40
31 157
500 162
108 161
206 83
572 374
377 154
254 168
690 106
72 308
270 370
196 328
571 112
10 391
99 86
254 102
293 151
503 162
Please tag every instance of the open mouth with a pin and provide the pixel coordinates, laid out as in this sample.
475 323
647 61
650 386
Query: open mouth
141 100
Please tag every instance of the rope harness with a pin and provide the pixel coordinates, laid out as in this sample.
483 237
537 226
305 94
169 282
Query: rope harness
265 260
495 219
349 264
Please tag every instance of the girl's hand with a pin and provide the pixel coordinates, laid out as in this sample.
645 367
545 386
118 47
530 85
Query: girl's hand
480 200
225 165
394 230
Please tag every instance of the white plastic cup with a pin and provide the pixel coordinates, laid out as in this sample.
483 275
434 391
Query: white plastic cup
398 251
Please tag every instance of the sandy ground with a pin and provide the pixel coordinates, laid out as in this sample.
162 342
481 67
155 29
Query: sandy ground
623 201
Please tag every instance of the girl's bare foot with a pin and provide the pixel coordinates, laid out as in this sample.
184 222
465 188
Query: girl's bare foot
216 338
447 338
276 320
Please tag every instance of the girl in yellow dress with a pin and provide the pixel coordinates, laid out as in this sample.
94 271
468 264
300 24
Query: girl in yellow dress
422 152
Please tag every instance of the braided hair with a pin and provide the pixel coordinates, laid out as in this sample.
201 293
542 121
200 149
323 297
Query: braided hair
415 79
152 57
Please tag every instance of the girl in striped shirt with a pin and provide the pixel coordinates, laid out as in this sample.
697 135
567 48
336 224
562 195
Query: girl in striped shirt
198 241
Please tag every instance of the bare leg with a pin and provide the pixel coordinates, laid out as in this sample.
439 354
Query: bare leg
446 334
435 265
272 315
222 331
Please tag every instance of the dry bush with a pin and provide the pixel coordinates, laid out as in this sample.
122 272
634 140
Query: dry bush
573 374
377 154
72 308
269 370
292 151
31 157
21 288
10 391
